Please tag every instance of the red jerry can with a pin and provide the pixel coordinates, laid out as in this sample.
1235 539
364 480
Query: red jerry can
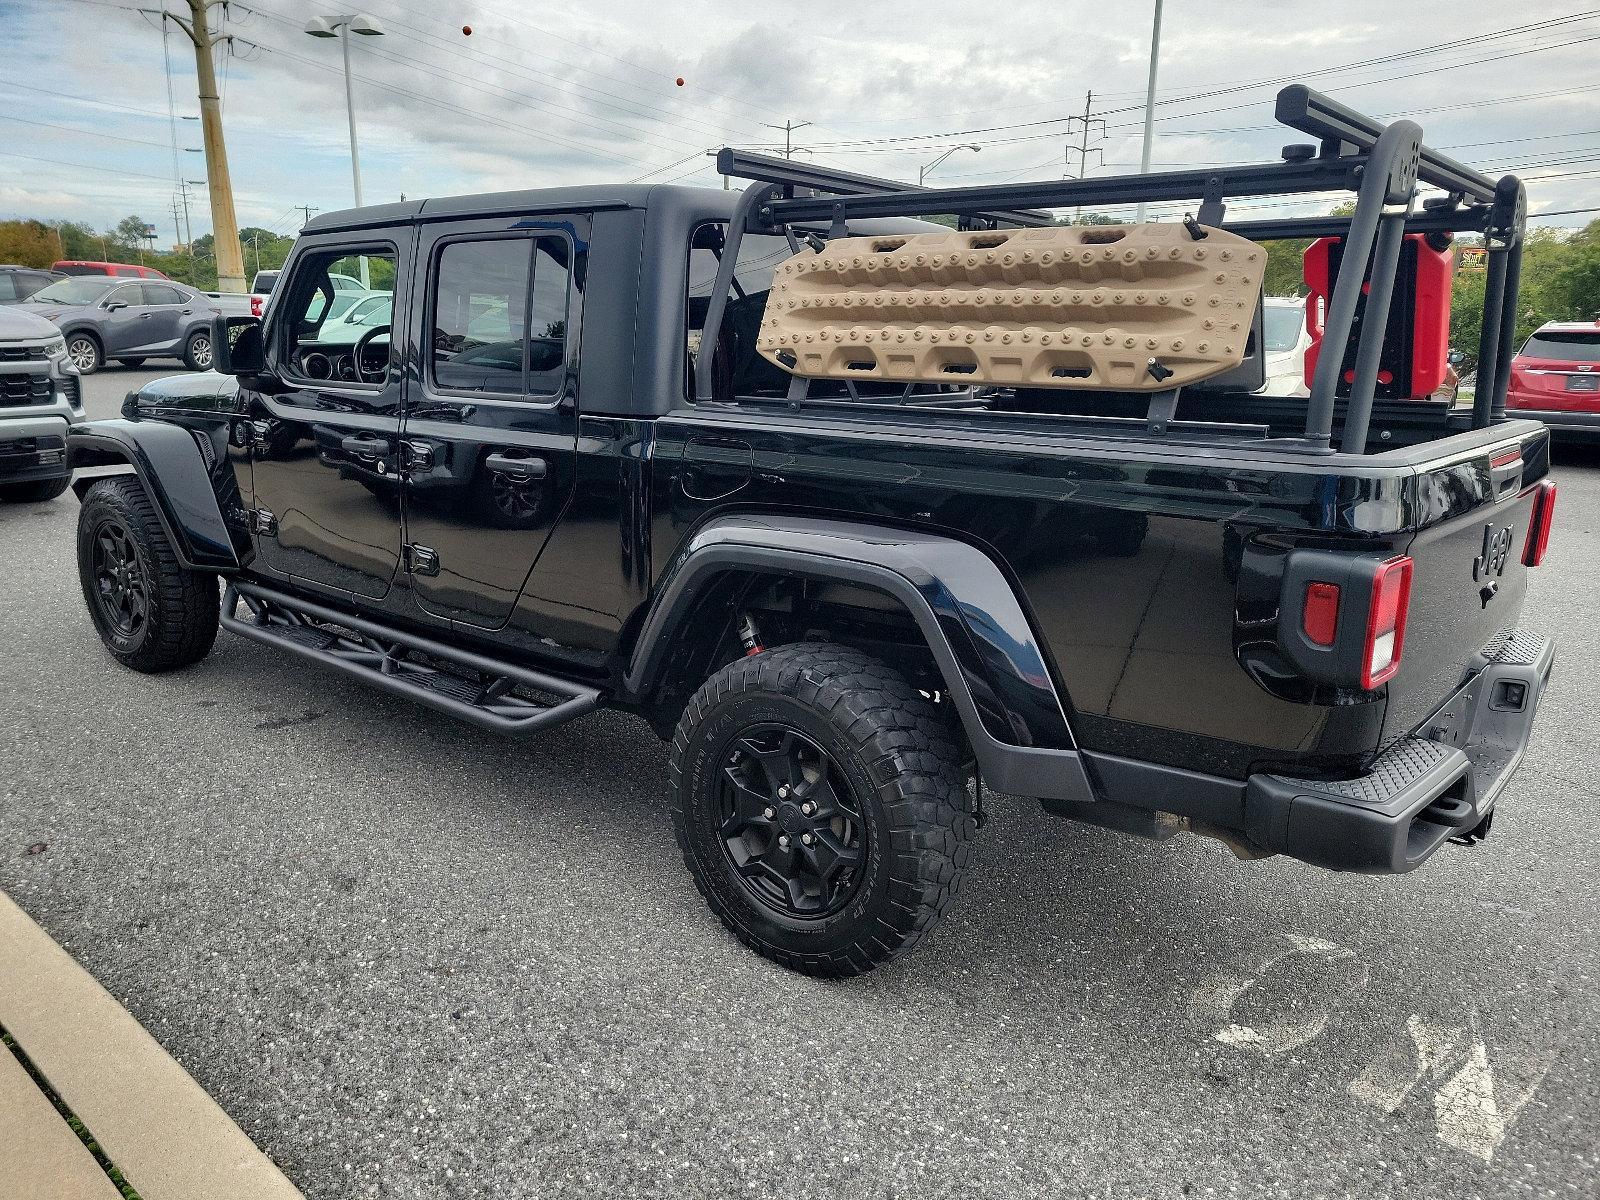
1416 342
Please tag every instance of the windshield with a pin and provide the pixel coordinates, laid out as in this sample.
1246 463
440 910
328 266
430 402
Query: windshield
85 289
1578 345
1280 325
374 310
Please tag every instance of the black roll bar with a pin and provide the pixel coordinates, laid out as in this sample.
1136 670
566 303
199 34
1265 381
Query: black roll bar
764 168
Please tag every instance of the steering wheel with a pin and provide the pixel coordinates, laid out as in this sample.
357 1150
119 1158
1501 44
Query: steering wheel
357 354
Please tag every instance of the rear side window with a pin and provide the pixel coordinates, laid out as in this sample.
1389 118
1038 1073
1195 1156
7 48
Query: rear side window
499 316
161 293
1577 345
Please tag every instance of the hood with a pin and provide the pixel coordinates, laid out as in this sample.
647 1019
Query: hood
53 314
20 322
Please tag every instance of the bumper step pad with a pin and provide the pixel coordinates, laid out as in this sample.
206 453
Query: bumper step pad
1438 784
495 695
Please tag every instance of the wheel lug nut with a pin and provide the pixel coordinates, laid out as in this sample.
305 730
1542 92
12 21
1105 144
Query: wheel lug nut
808 808
783 840
806 839
783 791
769 813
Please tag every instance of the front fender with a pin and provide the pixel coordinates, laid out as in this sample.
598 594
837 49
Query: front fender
967 611
169 464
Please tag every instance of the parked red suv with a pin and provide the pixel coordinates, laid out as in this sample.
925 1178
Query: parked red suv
72 266
1556 378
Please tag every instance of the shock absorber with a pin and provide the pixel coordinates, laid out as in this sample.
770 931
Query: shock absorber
750 636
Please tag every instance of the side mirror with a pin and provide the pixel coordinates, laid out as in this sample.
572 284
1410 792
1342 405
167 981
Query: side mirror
237 345
113 305
1456 358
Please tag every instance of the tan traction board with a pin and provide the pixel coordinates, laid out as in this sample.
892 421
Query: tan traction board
1083 306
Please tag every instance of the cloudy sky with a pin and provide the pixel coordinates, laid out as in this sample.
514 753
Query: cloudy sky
547 94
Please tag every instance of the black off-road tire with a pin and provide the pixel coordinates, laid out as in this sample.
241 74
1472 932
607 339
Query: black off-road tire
903 772
180 606
33 490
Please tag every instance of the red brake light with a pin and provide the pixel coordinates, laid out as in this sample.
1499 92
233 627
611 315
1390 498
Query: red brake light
255 306
1544 509
1386 621
1320 616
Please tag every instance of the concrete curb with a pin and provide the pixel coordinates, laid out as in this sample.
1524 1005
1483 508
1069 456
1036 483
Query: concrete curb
169 1138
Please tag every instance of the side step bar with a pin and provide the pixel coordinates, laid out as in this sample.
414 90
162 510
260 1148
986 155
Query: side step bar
493 695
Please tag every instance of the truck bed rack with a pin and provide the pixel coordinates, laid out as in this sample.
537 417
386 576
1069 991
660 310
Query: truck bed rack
1382 165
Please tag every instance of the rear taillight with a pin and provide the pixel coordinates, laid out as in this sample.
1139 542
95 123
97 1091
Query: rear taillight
255 306
1386 621
1320 617
1544 511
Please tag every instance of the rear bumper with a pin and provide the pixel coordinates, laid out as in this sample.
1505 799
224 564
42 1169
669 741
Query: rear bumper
1568 424
1438 783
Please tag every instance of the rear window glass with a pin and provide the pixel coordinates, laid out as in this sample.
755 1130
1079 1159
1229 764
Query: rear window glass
1281 326
1579 345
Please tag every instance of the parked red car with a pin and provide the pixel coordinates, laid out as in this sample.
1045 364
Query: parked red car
72 266
1555 378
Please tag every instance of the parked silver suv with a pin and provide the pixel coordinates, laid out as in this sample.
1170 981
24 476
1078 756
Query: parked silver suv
40 396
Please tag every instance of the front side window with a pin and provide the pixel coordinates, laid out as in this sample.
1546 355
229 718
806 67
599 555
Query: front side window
129 293
499 316
319 343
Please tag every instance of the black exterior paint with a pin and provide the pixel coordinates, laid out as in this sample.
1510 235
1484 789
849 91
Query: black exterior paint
1137 621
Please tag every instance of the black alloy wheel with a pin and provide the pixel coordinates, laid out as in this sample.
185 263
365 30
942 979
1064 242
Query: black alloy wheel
792 832
121 591
152 612
821 805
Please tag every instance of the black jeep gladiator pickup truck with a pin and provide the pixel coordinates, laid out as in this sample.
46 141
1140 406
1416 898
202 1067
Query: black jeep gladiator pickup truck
854 507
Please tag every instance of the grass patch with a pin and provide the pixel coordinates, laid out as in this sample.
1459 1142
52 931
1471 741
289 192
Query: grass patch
113 1172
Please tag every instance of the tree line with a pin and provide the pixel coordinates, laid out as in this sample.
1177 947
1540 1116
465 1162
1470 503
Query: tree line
33 243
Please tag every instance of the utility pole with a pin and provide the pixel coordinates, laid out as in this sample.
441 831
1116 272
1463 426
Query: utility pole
1083 149
224 223
308 209
788 128
1150 102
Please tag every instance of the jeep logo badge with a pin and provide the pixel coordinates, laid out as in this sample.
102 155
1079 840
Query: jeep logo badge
1491 562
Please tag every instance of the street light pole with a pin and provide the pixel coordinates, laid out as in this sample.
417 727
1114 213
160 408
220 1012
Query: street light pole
924 171
341 27
1150 102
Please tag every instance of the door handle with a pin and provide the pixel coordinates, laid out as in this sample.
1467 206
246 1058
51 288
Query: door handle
144 316
519 470
360 446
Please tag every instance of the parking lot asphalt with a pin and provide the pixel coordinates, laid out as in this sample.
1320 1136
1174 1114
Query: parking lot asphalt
414 960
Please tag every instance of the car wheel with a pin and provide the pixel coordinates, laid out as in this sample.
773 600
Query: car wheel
197 351
821 807
152 613
84 353
131 362
34 489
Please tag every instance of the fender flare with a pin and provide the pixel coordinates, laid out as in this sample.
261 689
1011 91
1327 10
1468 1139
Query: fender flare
962 602
167 461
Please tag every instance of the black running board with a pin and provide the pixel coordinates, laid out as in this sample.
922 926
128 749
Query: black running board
488 693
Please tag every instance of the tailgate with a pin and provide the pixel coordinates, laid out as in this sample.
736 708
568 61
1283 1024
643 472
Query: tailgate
1474 513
